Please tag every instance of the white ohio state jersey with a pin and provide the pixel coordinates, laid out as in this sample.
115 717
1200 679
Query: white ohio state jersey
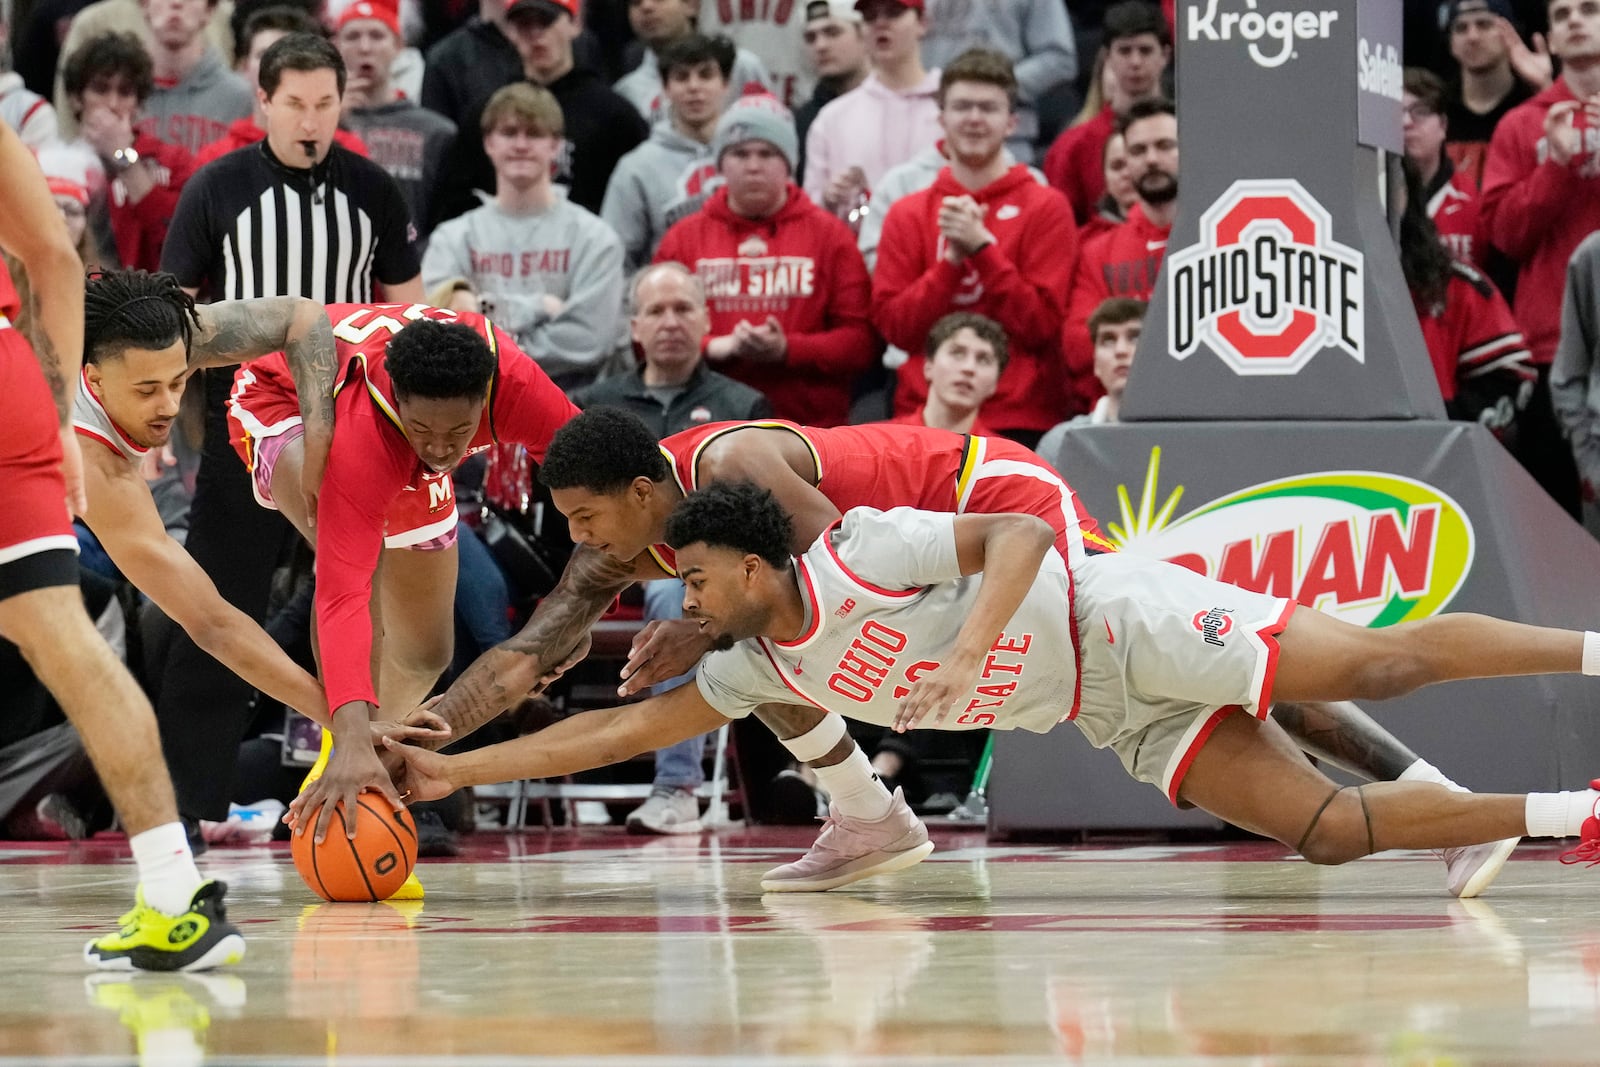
885 601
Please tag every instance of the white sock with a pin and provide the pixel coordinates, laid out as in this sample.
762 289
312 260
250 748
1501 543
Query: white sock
167 873
1560 814
856 789
1423 771
1591 652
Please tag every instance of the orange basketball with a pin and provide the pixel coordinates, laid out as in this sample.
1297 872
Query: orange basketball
369 866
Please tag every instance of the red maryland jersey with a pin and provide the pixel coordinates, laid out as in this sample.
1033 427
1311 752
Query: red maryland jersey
375 485
886 465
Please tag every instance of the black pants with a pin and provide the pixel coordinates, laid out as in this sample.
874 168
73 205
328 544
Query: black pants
1544 451
203 708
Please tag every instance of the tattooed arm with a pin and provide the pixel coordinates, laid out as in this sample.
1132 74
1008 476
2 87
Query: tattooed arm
506 673
236 331
32 230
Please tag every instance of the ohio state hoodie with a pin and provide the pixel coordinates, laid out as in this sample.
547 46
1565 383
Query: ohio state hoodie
1020 281
801 266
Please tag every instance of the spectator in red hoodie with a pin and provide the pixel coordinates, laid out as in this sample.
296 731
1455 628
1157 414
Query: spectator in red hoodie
1125 260
966 354
986 237
1138 47
262 30
107 82
787 287
1541 197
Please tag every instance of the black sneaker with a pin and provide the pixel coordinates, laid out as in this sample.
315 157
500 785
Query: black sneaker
434 839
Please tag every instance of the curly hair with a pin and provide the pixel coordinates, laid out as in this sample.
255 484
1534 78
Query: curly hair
108 56
440 361
738 515
602 450
125 309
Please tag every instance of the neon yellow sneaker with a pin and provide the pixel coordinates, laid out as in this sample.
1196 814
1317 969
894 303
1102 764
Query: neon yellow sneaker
410 889
150 940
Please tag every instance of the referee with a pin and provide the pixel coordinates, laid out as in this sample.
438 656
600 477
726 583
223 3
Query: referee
292 215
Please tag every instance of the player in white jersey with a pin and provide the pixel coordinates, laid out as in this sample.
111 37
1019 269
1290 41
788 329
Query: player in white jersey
960 621
143 338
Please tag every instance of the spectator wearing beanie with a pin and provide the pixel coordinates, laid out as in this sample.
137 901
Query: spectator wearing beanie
787 288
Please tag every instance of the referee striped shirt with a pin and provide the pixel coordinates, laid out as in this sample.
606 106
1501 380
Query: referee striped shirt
247 226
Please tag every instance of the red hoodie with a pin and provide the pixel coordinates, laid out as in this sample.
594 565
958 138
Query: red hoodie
141 229
802 266
1123 261
245 132
1075 164
1020 281
1536 212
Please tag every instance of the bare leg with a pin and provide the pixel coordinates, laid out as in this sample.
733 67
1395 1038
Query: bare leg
99 696
789 721
1250 774
1340 734
1321 658
417 606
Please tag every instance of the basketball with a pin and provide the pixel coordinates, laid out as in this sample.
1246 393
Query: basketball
369 866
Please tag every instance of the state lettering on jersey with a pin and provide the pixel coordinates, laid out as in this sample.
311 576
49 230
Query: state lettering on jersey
521 264
998 679
765 283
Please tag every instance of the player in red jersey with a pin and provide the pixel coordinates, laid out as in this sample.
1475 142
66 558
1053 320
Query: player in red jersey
179 921
420 389
617 487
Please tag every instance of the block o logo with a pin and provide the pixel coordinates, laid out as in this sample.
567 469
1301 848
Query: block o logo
1266 287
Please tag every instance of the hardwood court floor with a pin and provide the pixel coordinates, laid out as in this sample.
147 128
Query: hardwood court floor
592 946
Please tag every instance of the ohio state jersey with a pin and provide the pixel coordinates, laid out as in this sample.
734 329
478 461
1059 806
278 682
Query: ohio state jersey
885 601
89 419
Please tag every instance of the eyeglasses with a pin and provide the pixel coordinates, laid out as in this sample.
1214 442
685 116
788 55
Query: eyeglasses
1417 112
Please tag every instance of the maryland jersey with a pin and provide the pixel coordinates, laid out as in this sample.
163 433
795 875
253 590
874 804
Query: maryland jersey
885 601
886 465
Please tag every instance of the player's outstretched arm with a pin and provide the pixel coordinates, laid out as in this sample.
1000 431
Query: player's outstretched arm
516 667
237 331
580 743
1008 549
124 518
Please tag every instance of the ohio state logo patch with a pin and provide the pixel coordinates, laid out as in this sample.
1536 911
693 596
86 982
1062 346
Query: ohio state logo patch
1266 287
1214 624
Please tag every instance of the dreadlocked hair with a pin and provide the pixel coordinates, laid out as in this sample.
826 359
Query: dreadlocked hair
125 309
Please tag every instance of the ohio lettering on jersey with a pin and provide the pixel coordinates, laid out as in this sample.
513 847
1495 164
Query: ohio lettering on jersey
873 656
521 264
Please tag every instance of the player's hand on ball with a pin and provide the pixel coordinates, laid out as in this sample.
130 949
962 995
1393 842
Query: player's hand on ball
936 693
426 774
664 649
351 769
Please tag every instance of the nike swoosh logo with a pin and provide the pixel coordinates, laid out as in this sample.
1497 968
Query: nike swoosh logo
1111 638
1154 245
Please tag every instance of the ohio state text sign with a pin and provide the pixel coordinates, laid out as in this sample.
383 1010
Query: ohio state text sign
1266 287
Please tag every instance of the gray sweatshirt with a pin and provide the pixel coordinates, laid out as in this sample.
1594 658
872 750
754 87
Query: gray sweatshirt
200 108
641 86
1035 35
515 260
1575 371
409 142
663 180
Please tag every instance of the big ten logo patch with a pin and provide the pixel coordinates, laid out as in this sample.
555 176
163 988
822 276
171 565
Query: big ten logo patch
1266 287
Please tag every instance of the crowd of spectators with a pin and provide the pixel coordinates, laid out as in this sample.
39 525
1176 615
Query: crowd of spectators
842 195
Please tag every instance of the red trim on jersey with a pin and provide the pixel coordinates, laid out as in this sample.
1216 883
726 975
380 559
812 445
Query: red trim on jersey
892 594
1077 644
135 445
1195 746
783 675
808 590
1268 635
102 438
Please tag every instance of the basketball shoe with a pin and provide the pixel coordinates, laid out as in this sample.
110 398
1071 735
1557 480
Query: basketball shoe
849 850
1587 851
150 940
410 889
1470 869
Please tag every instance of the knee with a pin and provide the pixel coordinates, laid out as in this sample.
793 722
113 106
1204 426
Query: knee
1395 669
1340 833
789 721
432 658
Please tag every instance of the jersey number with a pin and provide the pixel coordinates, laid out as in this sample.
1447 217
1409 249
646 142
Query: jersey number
346 329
